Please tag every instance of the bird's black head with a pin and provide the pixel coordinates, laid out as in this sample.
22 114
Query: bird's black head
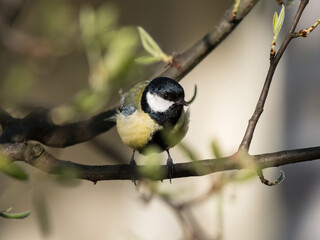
163 100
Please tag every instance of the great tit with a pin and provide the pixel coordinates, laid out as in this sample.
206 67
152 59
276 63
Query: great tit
152 113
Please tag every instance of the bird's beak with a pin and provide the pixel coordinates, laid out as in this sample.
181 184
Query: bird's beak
182 102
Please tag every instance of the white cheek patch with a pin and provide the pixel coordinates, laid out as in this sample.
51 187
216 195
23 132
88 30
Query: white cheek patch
158 104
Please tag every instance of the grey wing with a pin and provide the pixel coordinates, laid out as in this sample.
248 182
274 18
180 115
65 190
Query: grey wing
128 109
130 100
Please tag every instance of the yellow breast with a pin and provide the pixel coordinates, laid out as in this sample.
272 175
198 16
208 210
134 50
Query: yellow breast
137 129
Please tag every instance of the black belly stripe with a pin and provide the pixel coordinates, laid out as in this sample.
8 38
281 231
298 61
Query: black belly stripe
158 140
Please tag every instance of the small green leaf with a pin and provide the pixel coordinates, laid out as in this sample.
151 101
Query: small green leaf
280 178
145 60
216 149
149 44
242 176
236 7
67 176
152 169
22 215
87 22
41 212
12 169
271 183
275 20
278 21
188 151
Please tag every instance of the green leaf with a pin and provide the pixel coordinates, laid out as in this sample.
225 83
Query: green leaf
42 213
67 176
242 176
12 169
145 60
278 21
216 149
236 7
87 22
280 178
17 84
149 44
275 20
153 49
22 215
188 151
152 169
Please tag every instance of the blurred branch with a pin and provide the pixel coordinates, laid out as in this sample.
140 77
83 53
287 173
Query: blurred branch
196 53
191 227
53 136
10 10
39 126
25 45
215 187
246 141
35 155
187 229
18 42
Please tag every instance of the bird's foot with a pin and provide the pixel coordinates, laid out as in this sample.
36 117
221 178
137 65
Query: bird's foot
170 167
133 169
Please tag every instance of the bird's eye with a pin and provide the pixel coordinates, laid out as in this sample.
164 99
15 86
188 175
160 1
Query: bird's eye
165 96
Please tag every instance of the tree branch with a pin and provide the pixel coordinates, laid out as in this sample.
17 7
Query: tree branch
196 53
246 141
35 155
39 126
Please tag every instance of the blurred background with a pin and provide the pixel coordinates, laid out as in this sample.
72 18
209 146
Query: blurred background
74 56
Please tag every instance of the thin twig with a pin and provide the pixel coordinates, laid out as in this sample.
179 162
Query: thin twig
307 31
191 227
10 10
23 44
214 188
188 231
35 155
196 53
246 141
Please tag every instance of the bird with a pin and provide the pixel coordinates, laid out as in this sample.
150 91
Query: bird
152 114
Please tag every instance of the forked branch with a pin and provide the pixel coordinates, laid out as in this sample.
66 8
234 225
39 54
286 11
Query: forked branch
246 141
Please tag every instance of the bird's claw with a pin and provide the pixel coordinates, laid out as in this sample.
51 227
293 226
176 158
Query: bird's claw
133 169
170 168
